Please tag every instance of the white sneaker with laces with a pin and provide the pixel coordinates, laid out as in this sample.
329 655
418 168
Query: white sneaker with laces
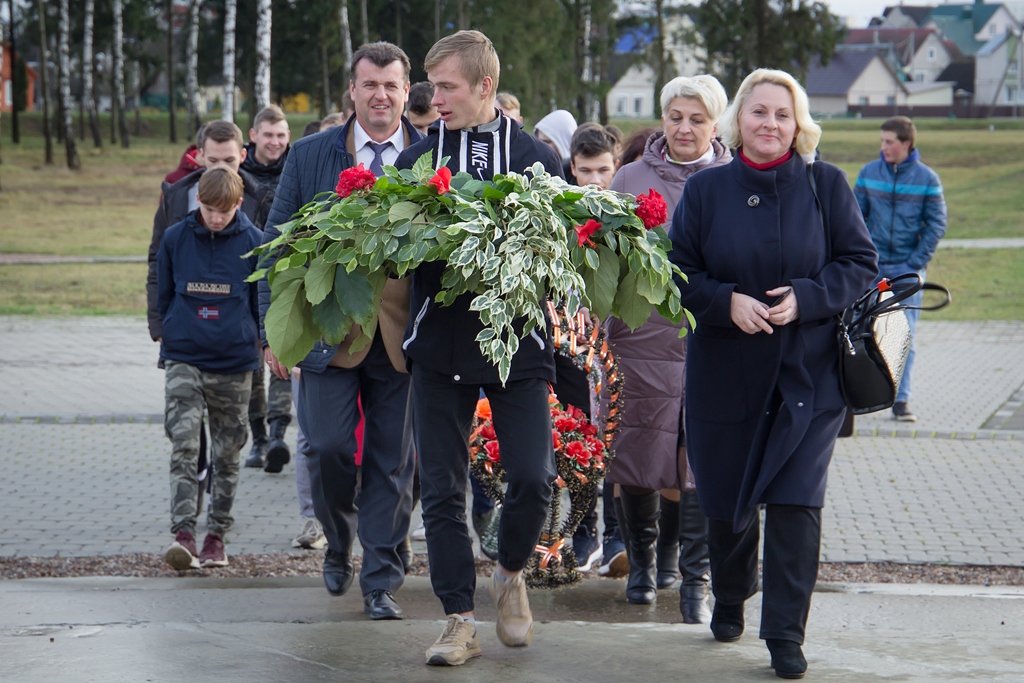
457 644
515 620
310 536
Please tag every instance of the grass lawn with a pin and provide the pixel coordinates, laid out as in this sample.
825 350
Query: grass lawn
80 289
107 209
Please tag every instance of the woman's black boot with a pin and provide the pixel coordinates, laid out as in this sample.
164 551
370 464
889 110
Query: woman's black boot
640 512
668 543
727 622
787 658
693 561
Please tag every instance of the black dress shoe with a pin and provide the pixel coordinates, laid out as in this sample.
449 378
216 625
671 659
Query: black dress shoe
337 572
787 658
693 604
727 622
381 605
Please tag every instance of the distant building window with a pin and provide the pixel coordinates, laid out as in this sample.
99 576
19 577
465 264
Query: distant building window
863 101
621 106
992 29
931 54
1011 93
890 100
919 77
638 106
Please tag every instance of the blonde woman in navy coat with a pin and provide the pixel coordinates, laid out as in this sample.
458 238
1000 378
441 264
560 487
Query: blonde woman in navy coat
763 407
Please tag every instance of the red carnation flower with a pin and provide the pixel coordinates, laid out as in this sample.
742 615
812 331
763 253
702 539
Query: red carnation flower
493 453
566 424
354 180
556 439
442 180
587 429
596 447
487 431
652 209
578 452
583 232
577 414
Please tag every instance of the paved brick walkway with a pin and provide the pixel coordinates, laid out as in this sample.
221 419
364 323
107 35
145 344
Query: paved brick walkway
95 488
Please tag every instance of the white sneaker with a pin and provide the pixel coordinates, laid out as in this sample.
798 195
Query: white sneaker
515 621
419 534
310 536
457 644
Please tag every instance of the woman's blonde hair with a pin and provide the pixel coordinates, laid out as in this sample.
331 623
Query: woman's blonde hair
705 89
808 133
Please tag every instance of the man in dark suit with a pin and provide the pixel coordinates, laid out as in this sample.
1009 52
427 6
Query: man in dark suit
333 377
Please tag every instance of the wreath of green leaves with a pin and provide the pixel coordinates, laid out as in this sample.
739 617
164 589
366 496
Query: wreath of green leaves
510 242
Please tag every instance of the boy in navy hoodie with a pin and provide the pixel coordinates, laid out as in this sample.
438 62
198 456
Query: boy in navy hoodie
210 348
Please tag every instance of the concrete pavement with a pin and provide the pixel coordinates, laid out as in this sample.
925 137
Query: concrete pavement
221 630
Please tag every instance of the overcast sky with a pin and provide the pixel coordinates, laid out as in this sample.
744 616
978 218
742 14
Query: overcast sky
862 10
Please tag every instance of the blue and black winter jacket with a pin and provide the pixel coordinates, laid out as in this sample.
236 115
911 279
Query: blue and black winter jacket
210 313
904 210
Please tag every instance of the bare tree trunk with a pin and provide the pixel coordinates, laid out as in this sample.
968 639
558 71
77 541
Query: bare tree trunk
264 19
346 46
463 15
122 119
171 104
58 118
195 119
2 91
325 80
659 57
74 162
137 97
365 21
15 126
398 23
43 61
227 110
89 101
437 20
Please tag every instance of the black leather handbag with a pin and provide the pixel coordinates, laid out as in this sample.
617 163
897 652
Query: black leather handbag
875 337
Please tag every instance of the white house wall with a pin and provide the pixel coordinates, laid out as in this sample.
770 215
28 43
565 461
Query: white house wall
823 104
933 97
988 76
998 24
876 86
929 60
632 97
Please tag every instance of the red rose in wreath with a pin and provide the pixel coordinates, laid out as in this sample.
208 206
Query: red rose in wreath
354 180
566 424
487 431
493 453
652 209
583 232
578 452
442 180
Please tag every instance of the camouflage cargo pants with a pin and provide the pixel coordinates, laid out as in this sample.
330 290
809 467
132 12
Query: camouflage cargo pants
273 403
188 391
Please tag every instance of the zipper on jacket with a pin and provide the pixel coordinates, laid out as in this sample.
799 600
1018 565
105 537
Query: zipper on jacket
416 325
892 223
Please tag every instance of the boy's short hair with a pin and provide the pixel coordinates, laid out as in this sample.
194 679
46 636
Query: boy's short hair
476 53
220 188
507 100
420 95
380 54
219 131
312 128
615 132
331 120
591 140
904 128
270 114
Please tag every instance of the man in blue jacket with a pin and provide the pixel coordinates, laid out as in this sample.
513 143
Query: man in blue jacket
449 371
905 212
333 377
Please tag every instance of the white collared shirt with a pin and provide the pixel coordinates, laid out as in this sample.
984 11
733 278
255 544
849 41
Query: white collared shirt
364 153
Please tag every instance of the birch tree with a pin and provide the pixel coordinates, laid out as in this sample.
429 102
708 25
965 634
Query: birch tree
365 21
228 106
346 45
88 96
195 119
65 85
43 64
122 119
171 104
264 18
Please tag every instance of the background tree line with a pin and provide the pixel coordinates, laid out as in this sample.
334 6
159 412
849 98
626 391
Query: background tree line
554 53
